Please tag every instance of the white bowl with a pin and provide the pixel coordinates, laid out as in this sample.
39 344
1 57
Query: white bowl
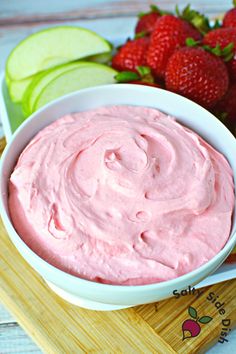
87 293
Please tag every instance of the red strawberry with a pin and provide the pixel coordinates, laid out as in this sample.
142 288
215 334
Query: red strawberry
170 33
232 257
226 107
229 19
198 75
131 55
223 37
147 21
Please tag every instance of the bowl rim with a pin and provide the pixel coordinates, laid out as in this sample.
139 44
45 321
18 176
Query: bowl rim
56 272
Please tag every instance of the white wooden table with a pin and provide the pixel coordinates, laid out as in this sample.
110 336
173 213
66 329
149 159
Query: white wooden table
19 18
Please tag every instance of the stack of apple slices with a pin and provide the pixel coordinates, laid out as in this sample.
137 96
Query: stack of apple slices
54 62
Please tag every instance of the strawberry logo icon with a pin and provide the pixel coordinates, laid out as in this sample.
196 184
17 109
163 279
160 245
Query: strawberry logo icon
191 327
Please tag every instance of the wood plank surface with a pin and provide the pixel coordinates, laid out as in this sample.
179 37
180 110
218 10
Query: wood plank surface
15 12
12 334
13 339
5 317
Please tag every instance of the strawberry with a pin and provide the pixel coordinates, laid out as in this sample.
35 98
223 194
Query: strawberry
131 55
197 74
229 19
226 108
223 37
232 257
147 21
170 33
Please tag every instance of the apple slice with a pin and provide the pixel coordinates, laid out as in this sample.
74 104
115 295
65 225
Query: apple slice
7 79
52 47
41 80
91 75
103 58
17 88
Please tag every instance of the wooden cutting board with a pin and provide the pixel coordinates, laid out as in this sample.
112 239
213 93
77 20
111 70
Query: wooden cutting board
61 328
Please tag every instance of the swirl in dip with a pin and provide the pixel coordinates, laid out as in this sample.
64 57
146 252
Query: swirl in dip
122 195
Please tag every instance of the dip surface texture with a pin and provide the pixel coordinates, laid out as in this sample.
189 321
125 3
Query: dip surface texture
122 195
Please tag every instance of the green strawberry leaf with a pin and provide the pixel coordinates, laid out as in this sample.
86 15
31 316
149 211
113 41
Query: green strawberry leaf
207 48
177 11
234 3
126 76
226 54
143 70
187 12
201 23
141 14
198 20
216 24
228 48
140 34
228 57
205 319
190 42
155 9
192 312
145 74
217 50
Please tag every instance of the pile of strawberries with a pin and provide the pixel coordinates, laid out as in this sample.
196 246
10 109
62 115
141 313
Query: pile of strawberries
183 53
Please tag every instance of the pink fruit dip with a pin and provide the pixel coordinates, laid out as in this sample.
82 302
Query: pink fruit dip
122 195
